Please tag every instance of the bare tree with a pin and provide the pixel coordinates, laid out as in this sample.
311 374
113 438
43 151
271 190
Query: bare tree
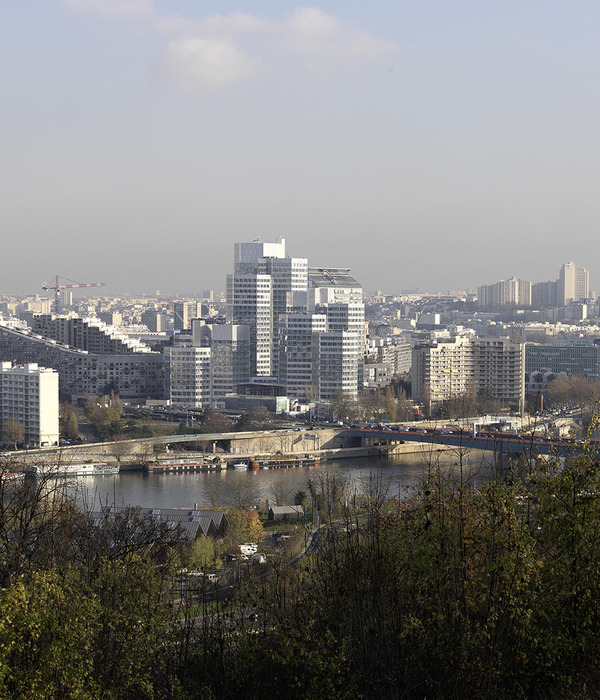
282 493
121 448
13 432
244 494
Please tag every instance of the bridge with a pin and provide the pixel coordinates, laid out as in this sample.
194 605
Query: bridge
228 445
500 443
330 442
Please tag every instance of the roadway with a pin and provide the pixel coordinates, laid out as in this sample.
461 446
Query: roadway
483 440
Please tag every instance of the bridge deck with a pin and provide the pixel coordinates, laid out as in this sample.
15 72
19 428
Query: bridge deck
497 442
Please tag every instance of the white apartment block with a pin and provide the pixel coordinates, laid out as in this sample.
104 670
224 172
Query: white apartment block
395 352
506 293
463 366
573 284
500 370
188 376
29 394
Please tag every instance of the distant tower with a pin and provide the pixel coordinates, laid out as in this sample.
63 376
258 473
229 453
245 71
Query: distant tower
573 283
66 298
182 319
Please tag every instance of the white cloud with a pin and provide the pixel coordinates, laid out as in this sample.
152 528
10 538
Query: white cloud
117 9
311 32
200 63
213 46
219 50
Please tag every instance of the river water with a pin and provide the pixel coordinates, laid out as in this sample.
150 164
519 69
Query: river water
397 476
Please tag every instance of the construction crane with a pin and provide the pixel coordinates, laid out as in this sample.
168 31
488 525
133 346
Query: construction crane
58 287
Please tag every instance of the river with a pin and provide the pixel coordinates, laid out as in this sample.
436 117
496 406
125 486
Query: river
398 476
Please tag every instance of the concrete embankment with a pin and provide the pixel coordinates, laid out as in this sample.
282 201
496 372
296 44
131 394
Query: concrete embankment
327 443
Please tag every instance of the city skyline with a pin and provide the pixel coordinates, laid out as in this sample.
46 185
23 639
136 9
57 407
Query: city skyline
436 146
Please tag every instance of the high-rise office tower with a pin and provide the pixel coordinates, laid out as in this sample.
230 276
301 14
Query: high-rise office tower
250 299
334 293
259 294
299 353
230 356
307 327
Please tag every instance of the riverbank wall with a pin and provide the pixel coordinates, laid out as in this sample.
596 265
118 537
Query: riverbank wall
327 443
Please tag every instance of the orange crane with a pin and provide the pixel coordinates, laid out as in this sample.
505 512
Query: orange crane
57 288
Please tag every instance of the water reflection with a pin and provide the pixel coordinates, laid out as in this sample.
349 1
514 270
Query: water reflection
398 475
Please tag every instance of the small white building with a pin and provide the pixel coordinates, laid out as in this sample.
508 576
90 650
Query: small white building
29 394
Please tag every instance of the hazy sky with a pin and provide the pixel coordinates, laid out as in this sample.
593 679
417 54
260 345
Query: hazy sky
434 144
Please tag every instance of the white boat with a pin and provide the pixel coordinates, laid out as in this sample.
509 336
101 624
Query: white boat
240 465
65 470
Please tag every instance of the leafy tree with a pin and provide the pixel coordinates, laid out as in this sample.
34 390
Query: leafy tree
201 554
47 632
243 526
300 498
104 415
64 411
255 527
71 430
